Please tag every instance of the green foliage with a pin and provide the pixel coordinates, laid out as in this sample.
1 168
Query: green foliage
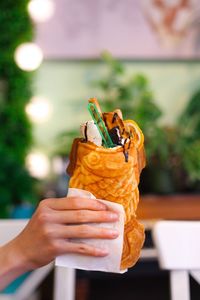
134 97
189 129
15 92
191 160
173 154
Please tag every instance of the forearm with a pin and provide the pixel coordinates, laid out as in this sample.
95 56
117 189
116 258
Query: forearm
12 264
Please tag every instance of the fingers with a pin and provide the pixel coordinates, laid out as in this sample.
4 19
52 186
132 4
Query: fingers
83 216
85 231
68 247
75 203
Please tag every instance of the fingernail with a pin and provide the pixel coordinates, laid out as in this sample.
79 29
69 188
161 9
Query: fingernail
101 206
113 216
113 233
102 252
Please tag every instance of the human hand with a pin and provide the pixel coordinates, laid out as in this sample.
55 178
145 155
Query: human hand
55 222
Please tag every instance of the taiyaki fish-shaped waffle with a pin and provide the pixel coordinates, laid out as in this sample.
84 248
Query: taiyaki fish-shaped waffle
97 169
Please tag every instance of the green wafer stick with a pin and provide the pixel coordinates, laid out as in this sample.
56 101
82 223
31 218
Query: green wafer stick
100 125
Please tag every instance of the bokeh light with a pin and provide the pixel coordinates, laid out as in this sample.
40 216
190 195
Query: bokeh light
28 56
38 165
39 109
41 10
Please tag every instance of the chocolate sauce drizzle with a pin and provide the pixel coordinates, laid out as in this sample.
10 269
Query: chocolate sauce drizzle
85 132
115 116
126 154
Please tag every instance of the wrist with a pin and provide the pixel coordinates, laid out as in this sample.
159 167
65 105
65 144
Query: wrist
17 256
13 263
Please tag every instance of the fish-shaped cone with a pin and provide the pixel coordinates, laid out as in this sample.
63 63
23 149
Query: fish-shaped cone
105 173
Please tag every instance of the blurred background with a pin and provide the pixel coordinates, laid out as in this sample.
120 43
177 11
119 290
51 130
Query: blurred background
140 56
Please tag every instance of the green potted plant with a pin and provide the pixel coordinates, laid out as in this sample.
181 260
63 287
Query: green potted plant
173 153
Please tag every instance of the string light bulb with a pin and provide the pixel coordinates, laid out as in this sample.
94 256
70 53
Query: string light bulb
39 109
38 165
28 56
41 10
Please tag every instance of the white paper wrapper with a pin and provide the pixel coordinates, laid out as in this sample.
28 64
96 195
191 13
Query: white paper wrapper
109 263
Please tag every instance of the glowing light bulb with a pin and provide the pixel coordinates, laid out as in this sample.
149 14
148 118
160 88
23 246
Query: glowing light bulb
38 164
41 10
39 109
28 56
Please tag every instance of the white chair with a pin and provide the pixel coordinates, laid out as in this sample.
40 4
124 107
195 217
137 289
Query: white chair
8 230
178 247
64 285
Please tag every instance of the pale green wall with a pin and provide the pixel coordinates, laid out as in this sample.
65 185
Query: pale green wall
66 84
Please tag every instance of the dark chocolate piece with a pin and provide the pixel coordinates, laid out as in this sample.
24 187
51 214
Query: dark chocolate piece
115 135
